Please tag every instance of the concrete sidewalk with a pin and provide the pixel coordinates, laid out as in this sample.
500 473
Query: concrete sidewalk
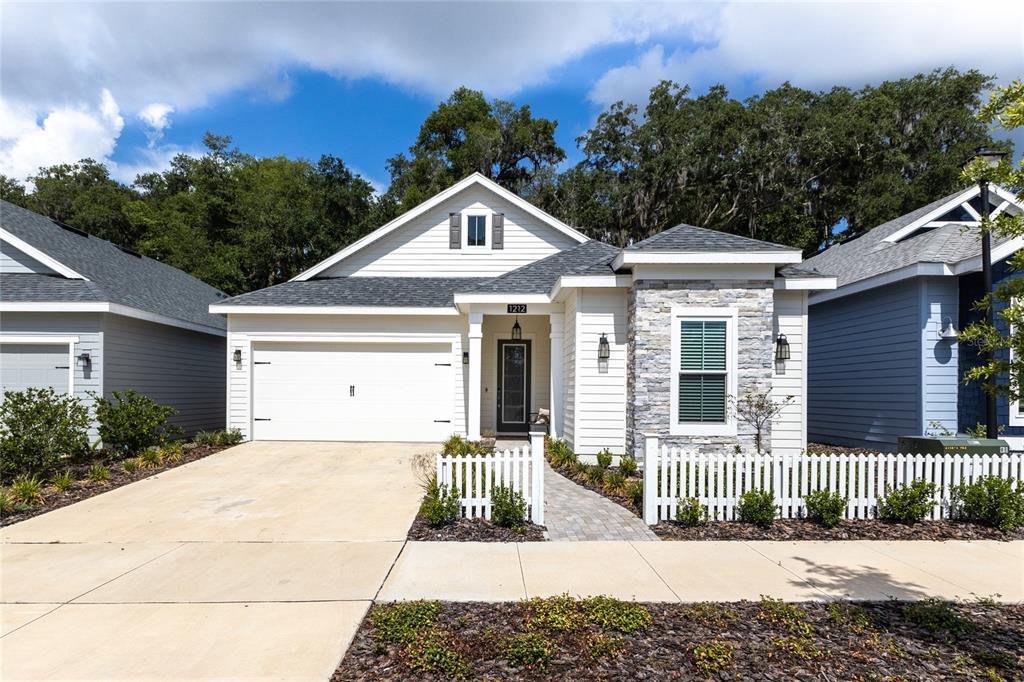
709 571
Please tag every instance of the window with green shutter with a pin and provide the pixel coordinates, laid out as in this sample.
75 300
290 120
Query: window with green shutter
703 371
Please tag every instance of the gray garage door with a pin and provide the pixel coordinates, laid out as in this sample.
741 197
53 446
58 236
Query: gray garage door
31 365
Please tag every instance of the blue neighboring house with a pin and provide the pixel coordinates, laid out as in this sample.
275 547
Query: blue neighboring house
884 357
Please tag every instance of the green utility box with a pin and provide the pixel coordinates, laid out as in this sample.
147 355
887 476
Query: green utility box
953 445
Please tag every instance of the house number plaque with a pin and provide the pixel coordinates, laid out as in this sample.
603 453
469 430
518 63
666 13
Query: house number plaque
516 308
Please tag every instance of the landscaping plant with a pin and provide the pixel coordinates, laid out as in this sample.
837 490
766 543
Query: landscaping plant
6 501
627 465
560 455
604 459
27 490
400 622
757 507
98 473
612 614
614 481
635 492
595 476
711 656
63 480
691 513
40 428
825 507
131 422
528 649
216 438
434 652
991 500
907 504
440 505
508 508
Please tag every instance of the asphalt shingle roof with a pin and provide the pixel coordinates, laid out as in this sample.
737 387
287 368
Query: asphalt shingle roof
589 258
416 292
114 275
870 255
700 239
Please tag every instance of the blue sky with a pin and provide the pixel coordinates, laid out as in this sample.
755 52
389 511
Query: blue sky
134 84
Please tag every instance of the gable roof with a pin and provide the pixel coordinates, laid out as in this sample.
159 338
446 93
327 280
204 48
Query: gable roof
589 258
413 213
903 242
108 273
693 239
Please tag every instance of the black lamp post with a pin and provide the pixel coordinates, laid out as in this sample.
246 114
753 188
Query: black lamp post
991 158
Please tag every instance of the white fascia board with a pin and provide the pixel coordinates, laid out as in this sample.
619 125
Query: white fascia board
37 338
566 282
38 255
805 283
226 309
916 270
626 258
510 297
104 307
437 199
999 253
960 198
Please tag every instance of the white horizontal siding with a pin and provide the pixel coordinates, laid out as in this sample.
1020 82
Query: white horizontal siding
789 379
600 396
420 248
14 261
940 300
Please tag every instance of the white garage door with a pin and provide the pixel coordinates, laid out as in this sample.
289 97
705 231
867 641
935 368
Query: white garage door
31 365
368 392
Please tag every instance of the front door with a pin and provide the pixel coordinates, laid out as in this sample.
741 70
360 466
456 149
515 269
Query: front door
513 386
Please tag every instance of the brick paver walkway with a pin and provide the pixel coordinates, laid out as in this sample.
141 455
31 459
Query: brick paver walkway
572 512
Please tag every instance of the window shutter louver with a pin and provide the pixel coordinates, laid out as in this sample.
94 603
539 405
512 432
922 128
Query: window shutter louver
498 231
454 230
702 348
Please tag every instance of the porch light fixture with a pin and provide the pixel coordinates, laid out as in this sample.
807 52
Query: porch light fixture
465 357
517 331
781 348
237 358
85 361
990 156
604 351
947 331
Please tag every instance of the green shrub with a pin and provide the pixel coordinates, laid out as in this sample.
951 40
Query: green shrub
98 473
459 446
132 422
38 429
215 438
132 464
908 503
635 492
594 476
801 647
151 458
825 507
560 454
63 480
993 501
614 480
7 502
434 651
691 512
611 614
711 656
604 459
627 465
555 614
710 613
508 508
27 490
171 452
400 622
757 507
603 646
790 616
440 505
935 615
530 650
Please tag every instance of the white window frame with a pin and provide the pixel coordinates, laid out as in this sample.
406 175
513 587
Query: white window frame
55 340
731 318
487 230
1014 417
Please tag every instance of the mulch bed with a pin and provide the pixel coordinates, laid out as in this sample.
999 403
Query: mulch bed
474 530
867 529
892 641
581 480
825 449
83 489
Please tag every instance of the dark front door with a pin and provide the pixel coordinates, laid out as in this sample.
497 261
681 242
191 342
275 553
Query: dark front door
513 386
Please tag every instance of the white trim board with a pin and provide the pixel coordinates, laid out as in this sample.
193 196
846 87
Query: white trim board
963 197
731 317
228 309
104 307
626 258
38 255
805 283
437 199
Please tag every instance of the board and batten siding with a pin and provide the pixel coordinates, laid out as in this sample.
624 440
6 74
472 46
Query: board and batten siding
88 327
421 247
600 391
864 367
536 330
940 357
569 371
177 367
789 378
243 330
16 262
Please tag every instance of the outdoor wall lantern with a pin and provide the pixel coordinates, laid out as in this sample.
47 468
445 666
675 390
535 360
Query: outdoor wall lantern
781 348
947 332
517 331
237 357
85 361
604 351
465 357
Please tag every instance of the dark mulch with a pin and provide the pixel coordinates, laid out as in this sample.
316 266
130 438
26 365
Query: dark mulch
619 499
826 449
867 529
474 530
83 489
867 641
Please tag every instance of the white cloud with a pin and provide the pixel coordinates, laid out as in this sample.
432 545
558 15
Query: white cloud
818 45
156 117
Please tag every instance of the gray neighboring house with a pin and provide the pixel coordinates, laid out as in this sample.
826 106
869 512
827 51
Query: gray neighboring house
80 314
884 357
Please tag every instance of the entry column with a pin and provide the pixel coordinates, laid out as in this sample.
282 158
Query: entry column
557 357
476 334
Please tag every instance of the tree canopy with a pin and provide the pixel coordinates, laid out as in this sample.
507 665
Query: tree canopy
794 166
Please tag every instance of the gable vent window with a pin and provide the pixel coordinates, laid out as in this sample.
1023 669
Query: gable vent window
476 230
703 370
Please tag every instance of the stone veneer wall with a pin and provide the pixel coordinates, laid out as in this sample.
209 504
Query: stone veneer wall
649 362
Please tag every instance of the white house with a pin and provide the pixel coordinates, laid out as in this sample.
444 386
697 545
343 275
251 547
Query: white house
476 310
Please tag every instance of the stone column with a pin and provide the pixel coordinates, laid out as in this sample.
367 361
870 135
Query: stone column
557 358
476 334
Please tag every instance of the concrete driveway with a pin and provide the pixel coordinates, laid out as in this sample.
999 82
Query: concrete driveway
255 563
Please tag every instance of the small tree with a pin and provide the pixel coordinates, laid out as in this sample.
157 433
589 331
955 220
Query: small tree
758 409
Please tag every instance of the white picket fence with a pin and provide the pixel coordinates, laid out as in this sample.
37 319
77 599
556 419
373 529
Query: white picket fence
475 476
718 479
